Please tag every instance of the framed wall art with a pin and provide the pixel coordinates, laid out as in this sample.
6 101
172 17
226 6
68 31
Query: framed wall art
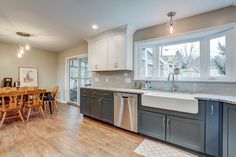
28 76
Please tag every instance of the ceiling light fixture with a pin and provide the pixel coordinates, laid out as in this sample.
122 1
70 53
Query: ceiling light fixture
94 26
23 43
171 14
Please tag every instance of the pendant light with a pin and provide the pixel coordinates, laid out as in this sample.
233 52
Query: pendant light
171 14
24 44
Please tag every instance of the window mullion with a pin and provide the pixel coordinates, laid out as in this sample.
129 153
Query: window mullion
204 59
156 62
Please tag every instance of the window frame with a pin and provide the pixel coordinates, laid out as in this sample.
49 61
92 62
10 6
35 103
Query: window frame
176 43
204 55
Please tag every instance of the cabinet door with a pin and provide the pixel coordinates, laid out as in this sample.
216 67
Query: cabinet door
107 110
213 128
152 124
229 130
84 101
95 107
117 52
101 55
97 55
185 132
92 56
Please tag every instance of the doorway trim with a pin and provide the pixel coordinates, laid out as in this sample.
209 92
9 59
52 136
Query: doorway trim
83 55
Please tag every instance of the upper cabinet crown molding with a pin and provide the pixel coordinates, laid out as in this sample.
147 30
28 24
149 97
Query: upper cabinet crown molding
111 32
111 50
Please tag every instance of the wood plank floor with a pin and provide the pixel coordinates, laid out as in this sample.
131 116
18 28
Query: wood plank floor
66 133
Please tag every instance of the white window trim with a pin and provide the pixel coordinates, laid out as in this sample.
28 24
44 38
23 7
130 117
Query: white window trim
204 57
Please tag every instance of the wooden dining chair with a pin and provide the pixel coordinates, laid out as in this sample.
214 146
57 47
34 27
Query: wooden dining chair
11 103
53 97
35 101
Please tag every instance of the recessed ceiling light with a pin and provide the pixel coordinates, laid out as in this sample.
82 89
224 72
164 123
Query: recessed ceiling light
94 26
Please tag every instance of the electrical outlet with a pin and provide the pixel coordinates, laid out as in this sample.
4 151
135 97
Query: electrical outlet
128 80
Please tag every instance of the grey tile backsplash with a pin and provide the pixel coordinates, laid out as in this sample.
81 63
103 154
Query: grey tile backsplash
124 79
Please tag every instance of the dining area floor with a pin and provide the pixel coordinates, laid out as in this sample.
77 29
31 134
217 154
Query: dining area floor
65 133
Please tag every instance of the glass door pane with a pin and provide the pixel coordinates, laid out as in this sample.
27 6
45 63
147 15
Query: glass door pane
85 75
73 80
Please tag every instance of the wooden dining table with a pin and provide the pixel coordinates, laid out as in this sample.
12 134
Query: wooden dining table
47 95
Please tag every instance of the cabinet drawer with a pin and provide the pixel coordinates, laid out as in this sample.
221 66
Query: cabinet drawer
188 133
108 94
94 93
102 93
84 91
152 124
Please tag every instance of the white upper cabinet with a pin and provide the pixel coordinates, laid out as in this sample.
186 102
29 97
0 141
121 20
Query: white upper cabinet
111 51
97 55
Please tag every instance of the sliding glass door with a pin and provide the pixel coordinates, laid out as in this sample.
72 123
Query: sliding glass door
73 80
78 76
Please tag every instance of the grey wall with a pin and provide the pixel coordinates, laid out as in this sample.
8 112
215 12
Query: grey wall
45 62
202 21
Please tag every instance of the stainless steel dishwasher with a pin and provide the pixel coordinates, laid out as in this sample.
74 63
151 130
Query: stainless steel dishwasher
126 111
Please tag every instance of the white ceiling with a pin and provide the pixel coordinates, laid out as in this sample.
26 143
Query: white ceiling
57 25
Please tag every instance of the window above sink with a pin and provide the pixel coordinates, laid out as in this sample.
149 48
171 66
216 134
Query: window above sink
205 56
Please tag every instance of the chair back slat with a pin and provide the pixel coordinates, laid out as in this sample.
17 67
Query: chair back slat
35 97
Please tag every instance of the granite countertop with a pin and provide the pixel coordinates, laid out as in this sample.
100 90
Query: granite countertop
213 97
127 90
201 96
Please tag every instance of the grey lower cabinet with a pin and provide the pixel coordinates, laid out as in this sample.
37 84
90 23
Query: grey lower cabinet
97 104
229 130
185 132
152 124
107 109
213 131
84 101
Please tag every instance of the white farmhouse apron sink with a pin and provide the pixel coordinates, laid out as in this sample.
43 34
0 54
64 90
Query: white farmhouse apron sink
180 102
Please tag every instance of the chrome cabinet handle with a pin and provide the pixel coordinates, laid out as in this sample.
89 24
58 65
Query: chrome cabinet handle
163 121
99 100
212 110
168 122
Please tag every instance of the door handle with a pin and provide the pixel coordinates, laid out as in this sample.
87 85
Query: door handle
212 110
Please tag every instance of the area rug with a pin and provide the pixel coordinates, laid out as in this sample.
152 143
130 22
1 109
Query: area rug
150 148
